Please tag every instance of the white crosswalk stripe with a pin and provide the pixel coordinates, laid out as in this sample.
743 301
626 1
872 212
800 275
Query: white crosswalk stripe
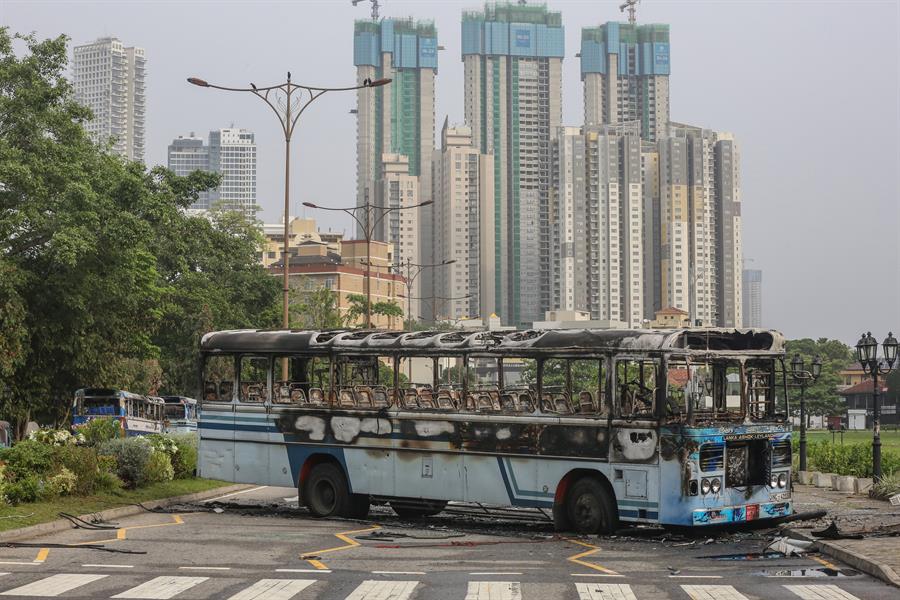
273 589
383 590
494 590
53 585
713 592
604 591
162 588
821 592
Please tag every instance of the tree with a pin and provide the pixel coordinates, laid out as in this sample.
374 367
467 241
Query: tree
358 305
104 280
314 307
821 396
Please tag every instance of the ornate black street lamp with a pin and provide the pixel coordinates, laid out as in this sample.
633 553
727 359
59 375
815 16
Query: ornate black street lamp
803 378
867 355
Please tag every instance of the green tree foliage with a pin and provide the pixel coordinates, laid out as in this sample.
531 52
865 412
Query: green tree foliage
314 307
101 271
821 396
357 311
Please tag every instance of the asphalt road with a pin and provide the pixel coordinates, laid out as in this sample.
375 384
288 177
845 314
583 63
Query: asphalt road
273 551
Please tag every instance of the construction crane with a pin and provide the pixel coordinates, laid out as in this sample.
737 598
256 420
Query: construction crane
630 6
375 6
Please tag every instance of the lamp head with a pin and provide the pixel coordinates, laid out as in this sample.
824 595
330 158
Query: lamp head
796 365
309 205
890 349
378 82
197 81
817 367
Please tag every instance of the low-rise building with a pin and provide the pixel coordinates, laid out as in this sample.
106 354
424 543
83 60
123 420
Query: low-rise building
670 318
300 231
861 405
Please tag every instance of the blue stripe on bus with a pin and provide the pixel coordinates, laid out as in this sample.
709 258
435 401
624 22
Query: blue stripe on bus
650 514
230 427
513 500
515 485
638 503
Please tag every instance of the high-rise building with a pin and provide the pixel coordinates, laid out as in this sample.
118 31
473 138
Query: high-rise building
512 56
598 228
189 154
639 227
396 119
464 226
625 69
109 79
231 153
752 300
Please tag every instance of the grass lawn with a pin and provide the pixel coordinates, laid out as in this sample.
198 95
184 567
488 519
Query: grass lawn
41 512
890 439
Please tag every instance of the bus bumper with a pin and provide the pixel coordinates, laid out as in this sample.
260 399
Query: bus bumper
741 514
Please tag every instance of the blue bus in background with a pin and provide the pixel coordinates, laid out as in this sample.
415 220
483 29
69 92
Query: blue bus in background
137 414
179 414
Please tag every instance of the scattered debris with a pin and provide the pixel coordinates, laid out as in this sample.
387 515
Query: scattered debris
72 546
95 523
790 547
833 533
18 516
810 572
746 556
673 571
895 500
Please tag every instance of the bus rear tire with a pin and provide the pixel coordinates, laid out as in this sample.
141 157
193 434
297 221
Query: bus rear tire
327 494
417 510
591 508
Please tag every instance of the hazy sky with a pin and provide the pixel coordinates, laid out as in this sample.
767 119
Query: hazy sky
810 90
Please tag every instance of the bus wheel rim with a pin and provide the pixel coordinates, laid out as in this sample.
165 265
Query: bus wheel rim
326 495
588 510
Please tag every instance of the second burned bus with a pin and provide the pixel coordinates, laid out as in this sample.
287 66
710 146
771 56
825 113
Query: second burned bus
682 427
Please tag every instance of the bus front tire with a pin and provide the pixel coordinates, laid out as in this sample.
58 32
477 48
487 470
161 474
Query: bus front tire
590 507
327 494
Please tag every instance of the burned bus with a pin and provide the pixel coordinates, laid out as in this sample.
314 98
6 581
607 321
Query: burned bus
682 427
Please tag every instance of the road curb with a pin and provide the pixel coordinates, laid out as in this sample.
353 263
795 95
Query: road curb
858 561
116 513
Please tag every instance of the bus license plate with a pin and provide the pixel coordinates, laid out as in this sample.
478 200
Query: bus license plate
752 512
780 496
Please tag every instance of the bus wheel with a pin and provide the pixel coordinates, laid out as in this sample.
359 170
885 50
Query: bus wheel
327 494
417 510
591 508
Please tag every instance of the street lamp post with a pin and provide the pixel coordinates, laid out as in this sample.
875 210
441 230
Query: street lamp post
867 355
288 101
409 265
803 378
432 300
368 228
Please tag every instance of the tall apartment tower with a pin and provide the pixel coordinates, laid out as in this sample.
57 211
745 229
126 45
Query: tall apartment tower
232 153
598 223
700 249
109 79
396 118
186 155
752 298
464 226
512 56
625 70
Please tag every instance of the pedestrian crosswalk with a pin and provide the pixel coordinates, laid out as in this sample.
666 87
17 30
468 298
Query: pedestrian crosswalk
83 585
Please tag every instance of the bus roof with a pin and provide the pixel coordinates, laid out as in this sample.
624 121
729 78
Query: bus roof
178 400
528 341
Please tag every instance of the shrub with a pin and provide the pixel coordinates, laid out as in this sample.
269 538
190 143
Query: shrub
887 487
60 484
84 465
185 460
158 469
55 437
28 457
132 455
25 489
107 481
849 459
99 430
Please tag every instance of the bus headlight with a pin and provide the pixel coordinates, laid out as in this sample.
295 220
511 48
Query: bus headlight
716 485
773 480
705 486
782 480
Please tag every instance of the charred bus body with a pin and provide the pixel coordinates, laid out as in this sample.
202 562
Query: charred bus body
682 427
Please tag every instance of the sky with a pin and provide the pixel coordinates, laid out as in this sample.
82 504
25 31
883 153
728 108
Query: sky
810 90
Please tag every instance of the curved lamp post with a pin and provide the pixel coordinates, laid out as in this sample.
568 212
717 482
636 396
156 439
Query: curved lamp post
368 226
867 355
409 265
432 300
803 378
288 100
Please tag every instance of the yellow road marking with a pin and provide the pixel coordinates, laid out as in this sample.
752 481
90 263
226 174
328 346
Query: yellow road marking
825 563
350 543
42 555
122 534
593 549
